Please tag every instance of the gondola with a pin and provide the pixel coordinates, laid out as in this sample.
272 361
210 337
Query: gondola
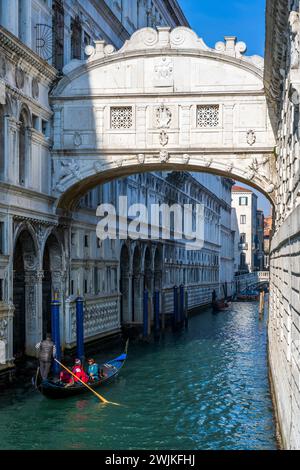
52 389
220 306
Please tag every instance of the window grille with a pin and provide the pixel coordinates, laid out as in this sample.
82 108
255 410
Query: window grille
121 117
208 116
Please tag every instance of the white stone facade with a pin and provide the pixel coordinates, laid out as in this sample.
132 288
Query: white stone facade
282 79
244 224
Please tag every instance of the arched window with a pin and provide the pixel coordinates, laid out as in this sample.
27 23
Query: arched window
22 149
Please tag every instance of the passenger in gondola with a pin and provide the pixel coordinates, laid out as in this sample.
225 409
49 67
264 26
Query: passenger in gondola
78 371
93 370
65 377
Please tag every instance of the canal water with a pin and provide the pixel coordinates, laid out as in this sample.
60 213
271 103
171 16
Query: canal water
203 388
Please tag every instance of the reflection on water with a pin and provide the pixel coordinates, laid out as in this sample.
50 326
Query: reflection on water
204 388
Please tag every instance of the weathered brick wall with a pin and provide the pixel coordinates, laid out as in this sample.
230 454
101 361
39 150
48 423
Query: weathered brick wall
284 327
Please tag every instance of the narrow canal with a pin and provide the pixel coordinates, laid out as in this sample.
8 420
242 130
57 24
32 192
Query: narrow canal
204 388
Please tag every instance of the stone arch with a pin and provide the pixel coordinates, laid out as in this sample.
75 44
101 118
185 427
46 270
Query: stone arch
26 292
53 276
212 115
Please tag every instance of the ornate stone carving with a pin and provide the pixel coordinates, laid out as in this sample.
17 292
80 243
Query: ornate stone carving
69 168
164 72
163 156
3 328
89 50
185 158
231 47
163 117
20 78
141 158
35 88
163 138
109 49
77 139
251 137
2 67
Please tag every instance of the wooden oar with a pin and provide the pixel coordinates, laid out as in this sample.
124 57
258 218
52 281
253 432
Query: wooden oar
87 386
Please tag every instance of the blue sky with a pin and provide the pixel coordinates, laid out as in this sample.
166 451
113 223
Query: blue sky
214 19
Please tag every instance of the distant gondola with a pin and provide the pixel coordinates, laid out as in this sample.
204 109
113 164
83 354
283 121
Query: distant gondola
220 306
56 390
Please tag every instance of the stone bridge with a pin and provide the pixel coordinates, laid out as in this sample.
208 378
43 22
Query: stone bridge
164 101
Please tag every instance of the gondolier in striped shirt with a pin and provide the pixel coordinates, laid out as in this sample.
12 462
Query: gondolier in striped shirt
47 351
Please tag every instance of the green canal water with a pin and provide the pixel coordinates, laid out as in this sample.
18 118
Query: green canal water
203 388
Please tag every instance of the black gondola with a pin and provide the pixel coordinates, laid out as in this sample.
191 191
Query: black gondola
111 369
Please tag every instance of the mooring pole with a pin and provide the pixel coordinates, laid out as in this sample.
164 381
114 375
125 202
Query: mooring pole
186 308
80 328
261 304
181 297
55 304
175 296
145 314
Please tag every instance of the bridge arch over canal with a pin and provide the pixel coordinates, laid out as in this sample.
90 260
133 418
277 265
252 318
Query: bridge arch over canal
164 101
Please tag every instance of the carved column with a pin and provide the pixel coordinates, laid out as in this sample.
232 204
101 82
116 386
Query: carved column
33 309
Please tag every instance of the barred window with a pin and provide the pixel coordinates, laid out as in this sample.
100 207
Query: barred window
121 117
208 115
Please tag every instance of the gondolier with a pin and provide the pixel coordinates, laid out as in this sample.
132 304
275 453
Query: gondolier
47 351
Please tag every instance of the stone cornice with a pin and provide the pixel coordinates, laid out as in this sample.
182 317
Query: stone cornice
17 50
276 41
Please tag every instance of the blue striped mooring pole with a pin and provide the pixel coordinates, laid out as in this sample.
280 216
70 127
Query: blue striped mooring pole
55 333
